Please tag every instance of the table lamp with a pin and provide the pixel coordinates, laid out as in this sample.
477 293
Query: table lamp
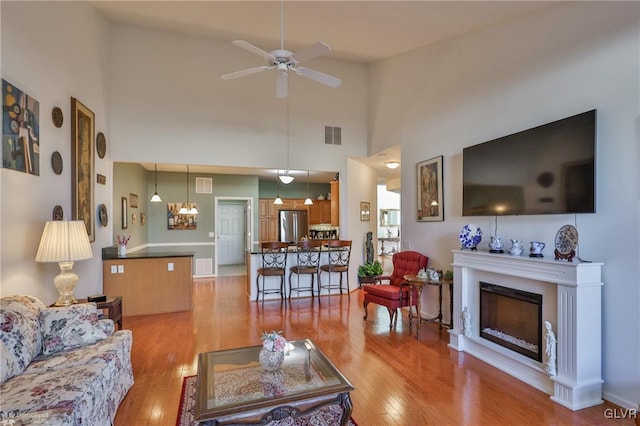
64 242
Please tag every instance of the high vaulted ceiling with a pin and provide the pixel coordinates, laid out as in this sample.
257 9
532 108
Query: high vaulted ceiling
360 31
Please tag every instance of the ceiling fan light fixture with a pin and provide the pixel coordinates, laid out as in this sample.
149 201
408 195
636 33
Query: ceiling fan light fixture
392 164
286 179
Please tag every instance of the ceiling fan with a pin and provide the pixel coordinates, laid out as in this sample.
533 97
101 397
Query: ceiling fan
284 60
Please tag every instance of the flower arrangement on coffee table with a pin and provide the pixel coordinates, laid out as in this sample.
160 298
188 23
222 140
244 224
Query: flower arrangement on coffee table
272 353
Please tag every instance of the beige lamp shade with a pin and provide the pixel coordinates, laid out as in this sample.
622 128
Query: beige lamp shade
64 241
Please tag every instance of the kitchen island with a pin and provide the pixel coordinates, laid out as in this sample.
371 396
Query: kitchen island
254 262
149 282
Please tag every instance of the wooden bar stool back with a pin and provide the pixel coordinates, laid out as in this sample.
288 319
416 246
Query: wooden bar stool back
274 264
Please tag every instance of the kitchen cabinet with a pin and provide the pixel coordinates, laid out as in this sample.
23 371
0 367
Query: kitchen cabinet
335 203
320 212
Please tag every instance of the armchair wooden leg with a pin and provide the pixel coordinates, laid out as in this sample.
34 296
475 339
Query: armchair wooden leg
392 316
366 312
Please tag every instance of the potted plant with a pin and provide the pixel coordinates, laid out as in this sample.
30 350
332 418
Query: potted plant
369 272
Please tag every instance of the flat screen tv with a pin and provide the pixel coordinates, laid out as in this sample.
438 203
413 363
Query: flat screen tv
548 169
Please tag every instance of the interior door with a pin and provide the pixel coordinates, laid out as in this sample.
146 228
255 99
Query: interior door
231 233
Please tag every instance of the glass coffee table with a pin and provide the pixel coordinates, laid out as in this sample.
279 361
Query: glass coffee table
233 388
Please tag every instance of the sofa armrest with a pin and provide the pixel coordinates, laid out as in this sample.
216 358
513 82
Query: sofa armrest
107 325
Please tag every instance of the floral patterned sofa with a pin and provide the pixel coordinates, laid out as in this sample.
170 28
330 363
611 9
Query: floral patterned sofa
60 365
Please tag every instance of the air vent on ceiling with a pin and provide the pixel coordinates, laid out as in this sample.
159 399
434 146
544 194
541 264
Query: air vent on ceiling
204 185
332 135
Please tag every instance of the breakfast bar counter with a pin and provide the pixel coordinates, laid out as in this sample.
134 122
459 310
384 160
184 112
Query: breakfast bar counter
149 282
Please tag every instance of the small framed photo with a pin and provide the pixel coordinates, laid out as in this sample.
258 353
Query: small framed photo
430 197
365 211
143 219
133 201
125 212
133 218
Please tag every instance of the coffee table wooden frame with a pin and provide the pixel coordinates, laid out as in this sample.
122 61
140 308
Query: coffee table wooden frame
335 391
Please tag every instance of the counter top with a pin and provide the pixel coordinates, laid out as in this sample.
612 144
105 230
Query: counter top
148 254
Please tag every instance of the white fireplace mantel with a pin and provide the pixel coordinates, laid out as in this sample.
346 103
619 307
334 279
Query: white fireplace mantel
574 310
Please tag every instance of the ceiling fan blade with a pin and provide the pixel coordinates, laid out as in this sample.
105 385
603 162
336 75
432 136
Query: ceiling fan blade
318 76
242 73
254 49
281 85
311 52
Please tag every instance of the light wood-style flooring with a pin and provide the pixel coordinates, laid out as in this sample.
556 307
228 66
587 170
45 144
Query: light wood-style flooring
399 380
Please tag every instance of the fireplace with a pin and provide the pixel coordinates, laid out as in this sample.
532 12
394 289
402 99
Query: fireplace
512 318
571 304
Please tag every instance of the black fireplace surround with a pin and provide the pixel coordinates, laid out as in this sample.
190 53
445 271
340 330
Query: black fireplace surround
512 318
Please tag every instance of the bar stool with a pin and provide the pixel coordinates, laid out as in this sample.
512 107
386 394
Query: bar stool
338 254
274 264
308 262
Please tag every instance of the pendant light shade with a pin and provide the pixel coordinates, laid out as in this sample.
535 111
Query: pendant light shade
278 200
156 198
285 178
308 201
185 207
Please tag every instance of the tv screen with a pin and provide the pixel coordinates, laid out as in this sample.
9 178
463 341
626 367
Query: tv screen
548 169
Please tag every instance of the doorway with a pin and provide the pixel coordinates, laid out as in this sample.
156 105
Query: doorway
233 235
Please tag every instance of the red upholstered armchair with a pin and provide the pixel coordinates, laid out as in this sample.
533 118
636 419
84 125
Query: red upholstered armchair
395 295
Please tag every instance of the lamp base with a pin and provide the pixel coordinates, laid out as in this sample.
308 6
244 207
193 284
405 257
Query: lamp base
66 282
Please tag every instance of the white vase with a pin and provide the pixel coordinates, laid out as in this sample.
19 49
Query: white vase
122 250
270 360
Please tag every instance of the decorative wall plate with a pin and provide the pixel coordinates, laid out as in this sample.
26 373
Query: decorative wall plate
57 117
56 162
58 213
101 145
470 236
566 239
102 213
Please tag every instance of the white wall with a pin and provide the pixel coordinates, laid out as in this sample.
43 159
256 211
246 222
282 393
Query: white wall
52 51
526 72
170 105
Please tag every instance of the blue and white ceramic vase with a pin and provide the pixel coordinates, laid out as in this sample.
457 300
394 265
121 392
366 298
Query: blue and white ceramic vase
470 236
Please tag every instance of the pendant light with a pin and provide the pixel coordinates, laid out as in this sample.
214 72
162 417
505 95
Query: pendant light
156 198
185 207
278 200
286 179
308 201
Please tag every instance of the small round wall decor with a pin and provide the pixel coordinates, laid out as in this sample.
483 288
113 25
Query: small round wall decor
57 117
58 213
101 145
102 213
56 162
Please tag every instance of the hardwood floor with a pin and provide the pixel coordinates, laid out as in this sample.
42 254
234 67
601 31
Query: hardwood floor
399 380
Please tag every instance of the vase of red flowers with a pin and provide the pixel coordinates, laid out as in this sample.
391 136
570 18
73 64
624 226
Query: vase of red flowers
271 354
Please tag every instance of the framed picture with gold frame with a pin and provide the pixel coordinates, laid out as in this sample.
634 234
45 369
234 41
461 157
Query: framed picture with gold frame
82 165
430 197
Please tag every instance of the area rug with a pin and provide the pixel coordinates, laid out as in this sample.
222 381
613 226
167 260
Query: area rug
325 416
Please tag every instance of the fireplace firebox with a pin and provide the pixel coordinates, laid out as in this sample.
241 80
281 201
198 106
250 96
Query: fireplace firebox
512 318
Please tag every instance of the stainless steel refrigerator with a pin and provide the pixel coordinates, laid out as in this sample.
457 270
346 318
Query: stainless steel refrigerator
294 225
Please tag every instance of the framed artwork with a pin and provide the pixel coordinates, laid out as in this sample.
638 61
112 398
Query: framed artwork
133 218
181 222
143 219
20 130
133 201
124 212
430 198
82 165
365 211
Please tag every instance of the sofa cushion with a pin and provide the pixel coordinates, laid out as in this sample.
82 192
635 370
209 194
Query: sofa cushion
19 333
69 327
